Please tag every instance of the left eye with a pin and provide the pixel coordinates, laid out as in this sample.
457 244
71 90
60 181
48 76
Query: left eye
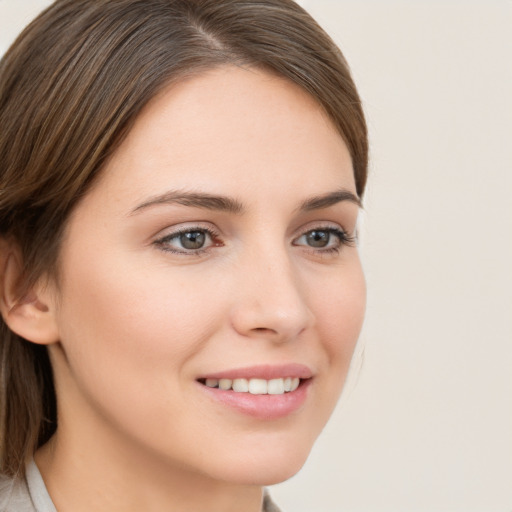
186 240
325 238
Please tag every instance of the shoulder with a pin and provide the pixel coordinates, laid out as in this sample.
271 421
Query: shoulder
15 496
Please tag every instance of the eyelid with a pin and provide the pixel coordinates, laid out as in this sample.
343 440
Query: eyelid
322 225
345 238
185 227
172 233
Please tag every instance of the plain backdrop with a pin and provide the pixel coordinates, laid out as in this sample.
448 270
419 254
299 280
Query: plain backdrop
425 424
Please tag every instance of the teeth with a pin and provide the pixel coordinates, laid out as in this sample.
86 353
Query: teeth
275 387
225 384
241 385
256 386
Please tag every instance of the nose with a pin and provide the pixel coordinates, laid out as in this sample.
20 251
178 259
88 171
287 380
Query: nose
270 301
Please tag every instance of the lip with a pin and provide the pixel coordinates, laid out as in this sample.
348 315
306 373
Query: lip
262 407
264 371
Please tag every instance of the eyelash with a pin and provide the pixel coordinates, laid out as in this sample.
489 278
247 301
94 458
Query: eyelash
343 237
162 242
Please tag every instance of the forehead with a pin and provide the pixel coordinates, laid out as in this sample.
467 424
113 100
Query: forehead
230 128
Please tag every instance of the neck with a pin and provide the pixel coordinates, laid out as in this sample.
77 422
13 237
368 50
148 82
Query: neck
103 475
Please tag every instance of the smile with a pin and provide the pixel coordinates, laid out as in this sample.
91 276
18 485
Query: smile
256 386
265 392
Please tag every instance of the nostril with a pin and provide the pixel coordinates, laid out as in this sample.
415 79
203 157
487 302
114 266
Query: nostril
264 330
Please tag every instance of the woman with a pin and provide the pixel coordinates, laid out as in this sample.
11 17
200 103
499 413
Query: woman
181 289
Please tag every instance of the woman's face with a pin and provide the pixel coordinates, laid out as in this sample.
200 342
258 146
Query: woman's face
216 250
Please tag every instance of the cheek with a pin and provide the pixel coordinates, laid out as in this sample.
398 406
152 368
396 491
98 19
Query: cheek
128 301
340 314
122 326
129 340
341 309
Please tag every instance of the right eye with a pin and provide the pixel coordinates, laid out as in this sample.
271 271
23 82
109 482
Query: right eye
190 241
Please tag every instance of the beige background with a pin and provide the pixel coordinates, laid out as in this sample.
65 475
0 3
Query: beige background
428 424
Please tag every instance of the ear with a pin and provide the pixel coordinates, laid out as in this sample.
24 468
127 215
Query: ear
31 316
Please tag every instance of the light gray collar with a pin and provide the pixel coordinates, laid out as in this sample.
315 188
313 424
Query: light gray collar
37 489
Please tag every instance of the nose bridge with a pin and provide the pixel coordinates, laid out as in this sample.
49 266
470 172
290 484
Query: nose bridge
270 300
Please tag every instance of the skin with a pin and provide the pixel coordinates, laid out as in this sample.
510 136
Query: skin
137 324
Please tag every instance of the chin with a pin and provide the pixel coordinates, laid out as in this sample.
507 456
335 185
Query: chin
270 474
266 466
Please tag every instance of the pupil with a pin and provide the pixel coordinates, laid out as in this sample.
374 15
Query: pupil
192 240
318 238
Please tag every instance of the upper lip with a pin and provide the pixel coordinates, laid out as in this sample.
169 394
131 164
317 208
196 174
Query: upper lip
264 371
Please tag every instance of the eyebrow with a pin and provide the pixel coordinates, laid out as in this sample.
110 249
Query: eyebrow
195 200
329 199
227 204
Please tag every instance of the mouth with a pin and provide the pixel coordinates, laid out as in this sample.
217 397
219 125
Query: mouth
278 386
263 392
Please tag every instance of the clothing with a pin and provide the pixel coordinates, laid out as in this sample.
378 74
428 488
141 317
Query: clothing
268 504
25 495
30 494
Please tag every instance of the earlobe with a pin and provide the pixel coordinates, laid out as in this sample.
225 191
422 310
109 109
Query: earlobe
32 315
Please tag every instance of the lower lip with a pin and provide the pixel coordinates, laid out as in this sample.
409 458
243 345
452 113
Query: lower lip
264 407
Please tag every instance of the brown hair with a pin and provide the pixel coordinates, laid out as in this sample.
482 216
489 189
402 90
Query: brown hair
70 88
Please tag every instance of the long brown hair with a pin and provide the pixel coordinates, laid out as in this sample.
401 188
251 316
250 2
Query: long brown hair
71 87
